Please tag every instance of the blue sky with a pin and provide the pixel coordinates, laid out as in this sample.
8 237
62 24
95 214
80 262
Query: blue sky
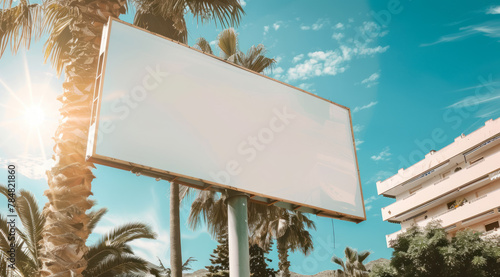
407 69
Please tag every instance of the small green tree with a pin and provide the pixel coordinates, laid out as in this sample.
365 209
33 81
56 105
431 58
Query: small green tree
258 263
220 258
428 252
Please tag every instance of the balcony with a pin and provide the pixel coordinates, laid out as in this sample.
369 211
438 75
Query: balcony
462 145
470 213
492 233
459 183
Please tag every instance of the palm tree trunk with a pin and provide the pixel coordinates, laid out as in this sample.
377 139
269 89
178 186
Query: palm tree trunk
284 264
69 180
175 232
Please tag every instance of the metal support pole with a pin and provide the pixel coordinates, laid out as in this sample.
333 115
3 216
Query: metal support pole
237 229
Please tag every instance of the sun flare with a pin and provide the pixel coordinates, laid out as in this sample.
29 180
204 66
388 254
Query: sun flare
34 116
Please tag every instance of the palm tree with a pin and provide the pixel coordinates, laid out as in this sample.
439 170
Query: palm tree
110 256
289 230
74 35
227 41
162 271
265 223
353 265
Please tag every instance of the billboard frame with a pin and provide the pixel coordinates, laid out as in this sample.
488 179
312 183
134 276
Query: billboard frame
189 181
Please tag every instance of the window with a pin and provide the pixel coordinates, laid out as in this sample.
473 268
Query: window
458 169
492 226
476 161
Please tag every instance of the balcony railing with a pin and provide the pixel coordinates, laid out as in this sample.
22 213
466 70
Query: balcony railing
463 216
433 194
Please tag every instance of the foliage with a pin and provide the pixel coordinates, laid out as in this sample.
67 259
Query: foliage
73 30
162 271
220 260
428 252
255 59
110 256
258 262
289 228
353 264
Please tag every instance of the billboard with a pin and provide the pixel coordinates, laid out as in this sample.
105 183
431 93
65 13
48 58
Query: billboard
166 110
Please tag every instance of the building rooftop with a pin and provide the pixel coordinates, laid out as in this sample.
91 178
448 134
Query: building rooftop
441 160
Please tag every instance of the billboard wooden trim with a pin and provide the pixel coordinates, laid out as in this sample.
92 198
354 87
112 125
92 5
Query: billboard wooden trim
170 176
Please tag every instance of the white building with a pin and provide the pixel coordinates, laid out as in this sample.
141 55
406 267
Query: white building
458 185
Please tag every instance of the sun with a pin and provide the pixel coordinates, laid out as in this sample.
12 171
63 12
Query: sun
34 116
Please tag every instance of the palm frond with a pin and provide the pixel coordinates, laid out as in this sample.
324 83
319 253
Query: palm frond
363 255
113 265
154 21
227 12
228 43
255 59
18 25
98 252
187 264
203 45
58 18
126 233
95 217
33 222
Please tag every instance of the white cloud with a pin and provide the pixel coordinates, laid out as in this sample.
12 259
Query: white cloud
358 142
488 114
383 33
339 26
357 128
371 29
213 42
489 84
363 50
372 80
276 25
380 175
298 58
266 29
493 10
318 25
243 3
30 166
489 29
367 106
331 62
474 101
278 70
382 156
306 86
350 20
338 36
371 199
321 63
369 207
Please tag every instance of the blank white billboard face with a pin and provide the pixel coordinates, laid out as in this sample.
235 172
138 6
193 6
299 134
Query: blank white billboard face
167 110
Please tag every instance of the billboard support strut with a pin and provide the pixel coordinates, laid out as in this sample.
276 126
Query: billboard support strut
237 229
